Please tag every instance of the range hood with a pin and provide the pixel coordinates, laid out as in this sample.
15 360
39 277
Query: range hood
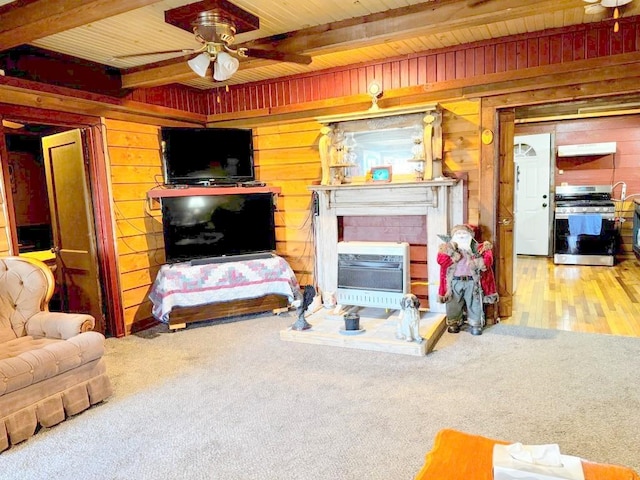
586 149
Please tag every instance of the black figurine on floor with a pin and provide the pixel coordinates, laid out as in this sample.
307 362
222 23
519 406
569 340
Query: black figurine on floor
308 295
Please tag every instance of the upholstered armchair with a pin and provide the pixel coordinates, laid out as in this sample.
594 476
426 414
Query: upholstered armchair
51 364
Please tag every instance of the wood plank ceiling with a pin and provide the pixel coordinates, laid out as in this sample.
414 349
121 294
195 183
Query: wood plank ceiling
333 32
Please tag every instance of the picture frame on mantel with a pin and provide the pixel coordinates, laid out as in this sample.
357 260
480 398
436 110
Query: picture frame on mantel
381 174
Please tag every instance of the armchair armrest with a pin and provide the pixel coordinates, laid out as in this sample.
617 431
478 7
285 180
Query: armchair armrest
59 324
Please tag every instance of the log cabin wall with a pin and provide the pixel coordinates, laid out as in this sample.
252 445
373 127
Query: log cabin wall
286 156
135 165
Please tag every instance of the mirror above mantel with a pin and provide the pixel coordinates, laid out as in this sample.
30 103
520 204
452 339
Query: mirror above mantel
407 142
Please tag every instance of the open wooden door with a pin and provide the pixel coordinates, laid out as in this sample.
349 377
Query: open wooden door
72 221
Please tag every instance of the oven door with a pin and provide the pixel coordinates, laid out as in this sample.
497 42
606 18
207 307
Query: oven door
592 245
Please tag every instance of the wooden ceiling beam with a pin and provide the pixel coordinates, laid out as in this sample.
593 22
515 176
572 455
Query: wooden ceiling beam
41 18
430 18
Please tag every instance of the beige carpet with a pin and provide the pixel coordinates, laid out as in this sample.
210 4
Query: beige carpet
233 401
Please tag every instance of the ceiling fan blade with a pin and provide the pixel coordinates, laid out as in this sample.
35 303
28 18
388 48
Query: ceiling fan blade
279 56
184 51
594 9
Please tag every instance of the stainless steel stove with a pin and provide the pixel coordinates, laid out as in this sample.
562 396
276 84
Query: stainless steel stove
585 225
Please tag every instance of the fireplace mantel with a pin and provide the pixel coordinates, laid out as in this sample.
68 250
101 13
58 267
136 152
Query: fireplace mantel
441 201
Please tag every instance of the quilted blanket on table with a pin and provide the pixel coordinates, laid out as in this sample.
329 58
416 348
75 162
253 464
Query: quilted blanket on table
188 285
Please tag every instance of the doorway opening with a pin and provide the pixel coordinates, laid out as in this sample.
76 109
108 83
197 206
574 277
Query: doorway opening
28 187
50 190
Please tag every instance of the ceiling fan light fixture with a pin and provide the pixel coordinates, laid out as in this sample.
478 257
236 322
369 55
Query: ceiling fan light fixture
225 66
200 64
614 3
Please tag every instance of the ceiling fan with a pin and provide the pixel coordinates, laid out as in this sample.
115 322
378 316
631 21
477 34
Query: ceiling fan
215 24
599 6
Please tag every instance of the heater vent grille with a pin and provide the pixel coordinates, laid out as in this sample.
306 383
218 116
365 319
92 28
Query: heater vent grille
373 274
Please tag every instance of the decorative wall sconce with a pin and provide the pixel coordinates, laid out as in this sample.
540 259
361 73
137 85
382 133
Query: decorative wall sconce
374 90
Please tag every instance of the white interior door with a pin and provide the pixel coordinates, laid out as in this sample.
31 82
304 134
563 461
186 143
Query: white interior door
532 155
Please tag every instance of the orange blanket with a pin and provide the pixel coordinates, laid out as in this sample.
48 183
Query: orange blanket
460 456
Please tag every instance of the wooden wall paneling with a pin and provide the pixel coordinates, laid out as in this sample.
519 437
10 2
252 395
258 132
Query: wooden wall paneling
488 169
625 211
134 153
138 317
286 156
480 66
579 47
461 124
285 172
544 51
460 64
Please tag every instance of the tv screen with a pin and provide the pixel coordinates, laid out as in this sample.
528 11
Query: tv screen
203 226
207 156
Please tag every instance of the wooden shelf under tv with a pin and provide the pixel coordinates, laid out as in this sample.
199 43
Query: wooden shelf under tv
190 191
158 193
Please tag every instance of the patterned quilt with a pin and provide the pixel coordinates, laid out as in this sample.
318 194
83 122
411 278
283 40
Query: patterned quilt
184 285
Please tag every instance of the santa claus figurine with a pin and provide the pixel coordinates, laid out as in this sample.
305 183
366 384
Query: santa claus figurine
466 279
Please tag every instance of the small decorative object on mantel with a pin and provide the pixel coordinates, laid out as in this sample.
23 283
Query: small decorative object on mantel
381 174
433 145
324 146
308 295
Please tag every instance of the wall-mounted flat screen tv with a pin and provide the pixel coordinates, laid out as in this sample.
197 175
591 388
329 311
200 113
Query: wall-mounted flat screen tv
204 226
207 156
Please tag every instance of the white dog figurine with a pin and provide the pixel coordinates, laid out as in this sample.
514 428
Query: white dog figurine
409 319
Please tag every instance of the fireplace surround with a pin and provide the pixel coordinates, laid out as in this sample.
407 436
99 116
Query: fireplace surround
440 201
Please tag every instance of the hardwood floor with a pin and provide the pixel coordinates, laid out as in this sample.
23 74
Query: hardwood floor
577 298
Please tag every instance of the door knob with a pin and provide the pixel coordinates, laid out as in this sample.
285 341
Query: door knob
544 196
505 221
544 205
55 250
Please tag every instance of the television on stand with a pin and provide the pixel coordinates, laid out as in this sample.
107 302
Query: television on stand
207 156
203 228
